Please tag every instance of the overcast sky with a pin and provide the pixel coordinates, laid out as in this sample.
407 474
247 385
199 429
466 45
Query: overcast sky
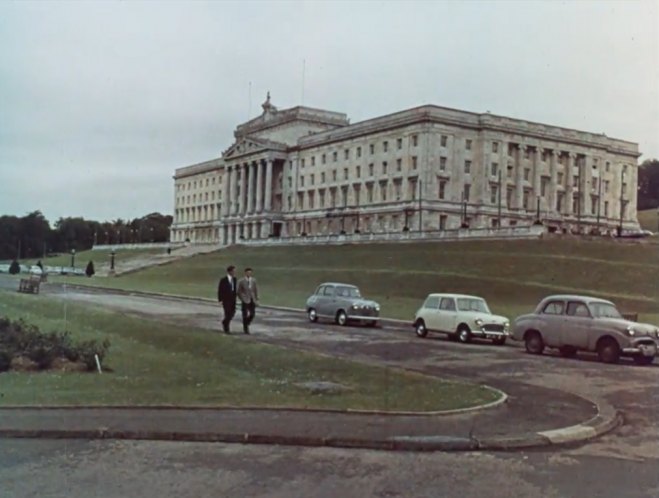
101 102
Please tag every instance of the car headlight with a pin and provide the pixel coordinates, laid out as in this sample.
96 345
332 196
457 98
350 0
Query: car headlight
631 331
506 325
479 322
377 307
656 333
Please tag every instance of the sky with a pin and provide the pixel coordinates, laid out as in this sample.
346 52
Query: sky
101 101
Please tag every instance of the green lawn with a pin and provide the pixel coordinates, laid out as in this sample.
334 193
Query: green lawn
511 275
154 363
98 257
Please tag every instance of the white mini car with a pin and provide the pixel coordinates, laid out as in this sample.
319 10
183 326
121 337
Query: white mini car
462 317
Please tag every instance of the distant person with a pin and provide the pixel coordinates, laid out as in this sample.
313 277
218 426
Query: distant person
249 298
40 265
226 294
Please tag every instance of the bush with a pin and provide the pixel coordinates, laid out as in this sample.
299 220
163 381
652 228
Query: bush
21 339
89 271
14 268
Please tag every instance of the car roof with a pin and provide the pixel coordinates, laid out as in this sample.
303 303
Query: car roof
338 283
569 297
455 296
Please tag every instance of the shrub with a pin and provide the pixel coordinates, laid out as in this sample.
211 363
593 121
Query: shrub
14 268
89 271
5 360
89 349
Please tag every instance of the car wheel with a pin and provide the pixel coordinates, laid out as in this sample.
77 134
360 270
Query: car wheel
313 315
499 341
533 343
341 318
608 351
640 359
568 351
464 335
371 323
420 328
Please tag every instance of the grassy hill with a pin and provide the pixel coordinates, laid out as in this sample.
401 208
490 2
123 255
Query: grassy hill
511 275
649 219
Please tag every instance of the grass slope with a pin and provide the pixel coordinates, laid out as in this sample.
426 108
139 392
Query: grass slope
155 363
511 275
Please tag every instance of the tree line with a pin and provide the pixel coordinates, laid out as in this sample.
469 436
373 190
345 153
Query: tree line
31 236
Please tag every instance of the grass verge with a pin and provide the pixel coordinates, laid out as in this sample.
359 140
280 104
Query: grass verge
155 363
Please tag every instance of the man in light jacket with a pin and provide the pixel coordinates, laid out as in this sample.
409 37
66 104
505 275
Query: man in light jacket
249 298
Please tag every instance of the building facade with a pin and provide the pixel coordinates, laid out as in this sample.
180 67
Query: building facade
305 171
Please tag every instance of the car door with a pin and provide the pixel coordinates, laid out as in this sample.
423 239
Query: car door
447 316
323 301
431 313
550 325
576 325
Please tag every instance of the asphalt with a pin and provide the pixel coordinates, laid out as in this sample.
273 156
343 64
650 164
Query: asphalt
527 416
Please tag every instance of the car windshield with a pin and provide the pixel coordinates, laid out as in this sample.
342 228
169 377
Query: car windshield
604 310
348 292
468 304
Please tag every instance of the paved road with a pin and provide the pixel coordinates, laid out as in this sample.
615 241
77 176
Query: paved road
625 463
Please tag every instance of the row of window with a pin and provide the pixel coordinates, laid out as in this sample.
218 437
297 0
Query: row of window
194 198
193 184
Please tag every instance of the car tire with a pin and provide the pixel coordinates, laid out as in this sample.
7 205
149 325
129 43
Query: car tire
464 334
568 351
313 315
372 323
640 359
608 351
420 328
341 318
499 341
534 343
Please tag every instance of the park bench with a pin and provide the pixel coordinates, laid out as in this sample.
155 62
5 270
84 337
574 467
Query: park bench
30 284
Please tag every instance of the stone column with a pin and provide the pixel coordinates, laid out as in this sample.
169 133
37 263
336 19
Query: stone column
587 187
537 177
519 178
268 185
569 191
234 190
259 186
226 192
553 185
243 190
250 187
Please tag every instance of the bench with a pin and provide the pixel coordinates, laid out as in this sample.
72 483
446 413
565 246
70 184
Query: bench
30 284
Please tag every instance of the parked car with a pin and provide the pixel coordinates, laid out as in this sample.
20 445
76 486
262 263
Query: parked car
460 316
583 323
341 303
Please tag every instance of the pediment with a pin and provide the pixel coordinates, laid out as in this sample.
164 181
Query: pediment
244 146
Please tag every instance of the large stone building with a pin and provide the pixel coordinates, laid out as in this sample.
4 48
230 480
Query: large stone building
305 171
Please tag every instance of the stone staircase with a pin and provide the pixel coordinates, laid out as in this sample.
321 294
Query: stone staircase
140 262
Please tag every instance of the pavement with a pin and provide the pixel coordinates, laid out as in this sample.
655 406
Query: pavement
527 416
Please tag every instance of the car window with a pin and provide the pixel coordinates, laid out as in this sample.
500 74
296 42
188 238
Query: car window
604 310
432 302
470 304
553 308
347 292
447 304
329 290
575 308
321 290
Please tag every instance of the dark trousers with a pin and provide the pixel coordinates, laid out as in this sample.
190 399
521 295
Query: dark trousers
249 310
229 312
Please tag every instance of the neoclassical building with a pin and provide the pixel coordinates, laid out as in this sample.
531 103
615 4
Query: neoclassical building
304 172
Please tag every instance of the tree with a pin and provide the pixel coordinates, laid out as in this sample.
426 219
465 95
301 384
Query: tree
14 268
648 184
89 271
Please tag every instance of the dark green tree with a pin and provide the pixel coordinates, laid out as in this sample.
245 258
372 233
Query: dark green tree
14 268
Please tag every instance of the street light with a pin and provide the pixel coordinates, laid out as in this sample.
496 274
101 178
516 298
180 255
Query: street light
112 260
73 258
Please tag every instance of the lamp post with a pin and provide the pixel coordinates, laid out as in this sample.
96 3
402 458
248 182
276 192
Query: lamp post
73 258
95 237
112 260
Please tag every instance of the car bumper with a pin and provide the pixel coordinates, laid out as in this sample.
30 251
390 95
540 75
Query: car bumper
490 334
644 349
368 318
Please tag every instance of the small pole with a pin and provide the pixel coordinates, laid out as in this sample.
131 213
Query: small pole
98 364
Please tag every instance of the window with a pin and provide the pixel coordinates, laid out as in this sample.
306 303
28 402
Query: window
525 199
553 308
606 209
329 290
357 191
311 199
334 175
467 167
593 204
385 146
494 190
527 174
412 189
509 197
384 167
415 140
527 153
371 149
322 177
313 160
398 189
312 179
346 154
442 189
510 171
345 173
335 156
323 159
495 146
575 308
608 166
399 164
559 202
369 193
494 169
370 169
442 221
575 181
432 302
359 152
468 144
467 192
414 162
544 182
302 163
443 140
606 186
383 191
559 178
447 304
358 171
399 143
442 163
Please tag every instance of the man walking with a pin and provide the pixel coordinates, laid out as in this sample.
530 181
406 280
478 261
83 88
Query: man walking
249 298
226 294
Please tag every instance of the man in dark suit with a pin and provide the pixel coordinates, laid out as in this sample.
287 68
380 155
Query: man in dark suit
226 294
